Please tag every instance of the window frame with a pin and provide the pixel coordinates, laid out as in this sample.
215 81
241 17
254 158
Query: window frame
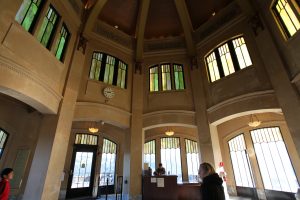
154 141
5 142
65 48
103 69
233 55
35 18
279 21
185 140
172 77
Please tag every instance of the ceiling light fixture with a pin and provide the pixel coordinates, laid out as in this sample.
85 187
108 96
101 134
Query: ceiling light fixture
214 13
254 122
93 127
169 132
116 26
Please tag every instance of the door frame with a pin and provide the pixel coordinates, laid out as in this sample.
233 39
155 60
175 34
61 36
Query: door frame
81 192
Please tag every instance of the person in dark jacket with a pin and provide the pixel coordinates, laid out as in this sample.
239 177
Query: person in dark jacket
211 187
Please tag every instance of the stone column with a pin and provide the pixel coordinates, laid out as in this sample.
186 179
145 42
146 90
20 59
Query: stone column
136 135
205 145
285 92
49 157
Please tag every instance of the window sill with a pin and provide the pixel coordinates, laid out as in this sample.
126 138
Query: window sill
106 84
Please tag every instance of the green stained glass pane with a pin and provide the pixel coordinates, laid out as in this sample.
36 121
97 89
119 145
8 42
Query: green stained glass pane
27 21
176 80
60 48
42 29
111 74
98 68
181 81
61 43
119 77
156 82
123 79
22 11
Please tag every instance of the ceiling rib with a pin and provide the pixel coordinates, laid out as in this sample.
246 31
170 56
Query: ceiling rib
94 16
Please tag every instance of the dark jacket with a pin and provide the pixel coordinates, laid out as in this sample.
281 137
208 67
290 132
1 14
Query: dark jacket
211 188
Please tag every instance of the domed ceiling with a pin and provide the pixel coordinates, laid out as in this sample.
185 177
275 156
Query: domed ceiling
162 20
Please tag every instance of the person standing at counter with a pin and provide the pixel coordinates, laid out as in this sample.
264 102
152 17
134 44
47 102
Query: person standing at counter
160 170
211 187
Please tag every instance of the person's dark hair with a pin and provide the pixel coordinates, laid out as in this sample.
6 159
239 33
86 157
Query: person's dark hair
159 164
6 171
208 168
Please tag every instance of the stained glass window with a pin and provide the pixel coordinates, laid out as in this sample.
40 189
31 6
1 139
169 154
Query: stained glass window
213 67
108 163
27 14
171 157
61 42
48 26
286 17
192 157
242 52
166 77
178 77
86 139
3 140
122 68
154 79
228 58
149 154
273 159
240 162
108 69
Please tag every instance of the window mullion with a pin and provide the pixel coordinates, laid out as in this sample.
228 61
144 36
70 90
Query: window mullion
116 72
102 70
233 56
220 67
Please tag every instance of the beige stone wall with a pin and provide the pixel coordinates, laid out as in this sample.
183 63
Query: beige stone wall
22 124
40 75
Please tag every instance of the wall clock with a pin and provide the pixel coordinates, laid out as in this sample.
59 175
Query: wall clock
109 92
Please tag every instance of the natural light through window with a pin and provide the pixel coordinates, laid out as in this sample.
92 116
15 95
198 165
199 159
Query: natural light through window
240 162
286 17
192 157
108 163
149 154
170 156
273 160
213 67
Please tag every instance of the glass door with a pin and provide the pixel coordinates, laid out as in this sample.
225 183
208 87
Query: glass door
82 168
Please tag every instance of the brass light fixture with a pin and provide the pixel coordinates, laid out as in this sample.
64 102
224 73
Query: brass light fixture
93 127
169 132
254 122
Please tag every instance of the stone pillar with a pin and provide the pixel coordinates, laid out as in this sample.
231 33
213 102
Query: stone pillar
205 145
136 135
286 94
49 158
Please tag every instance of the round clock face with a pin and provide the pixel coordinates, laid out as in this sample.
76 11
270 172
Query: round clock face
108 92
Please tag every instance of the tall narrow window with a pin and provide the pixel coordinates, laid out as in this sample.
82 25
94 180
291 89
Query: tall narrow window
178 77
166 77
286 17
149 154
192 157
170 156
154 79
213 67
228 58
96 66
28 13
108 163
108 69
242 52
48 27
240 162
61 42
122 68
273 160
3 140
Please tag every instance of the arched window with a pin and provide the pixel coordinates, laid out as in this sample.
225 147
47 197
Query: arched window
171 157
240 162
192 157
273 159
28 13
149 154
286 17
108 163
3 140
227 59
167 76
108 69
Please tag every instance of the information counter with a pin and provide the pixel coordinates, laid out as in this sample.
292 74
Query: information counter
166 188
